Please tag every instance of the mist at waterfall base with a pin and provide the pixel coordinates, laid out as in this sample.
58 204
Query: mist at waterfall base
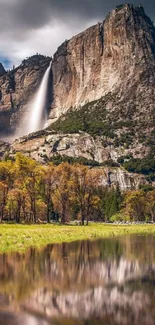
37 115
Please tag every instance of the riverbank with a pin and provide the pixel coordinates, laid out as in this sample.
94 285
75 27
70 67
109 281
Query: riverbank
20 237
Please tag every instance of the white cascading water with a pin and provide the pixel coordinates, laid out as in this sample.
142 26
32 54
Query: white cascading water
37 115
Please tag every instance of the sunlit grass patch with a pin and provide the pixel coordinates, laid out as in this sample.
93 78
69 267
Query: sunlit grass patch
21 237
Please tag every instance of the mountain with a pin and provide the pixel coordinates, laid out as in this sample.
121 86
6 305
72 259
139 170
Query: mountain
114 57
102 96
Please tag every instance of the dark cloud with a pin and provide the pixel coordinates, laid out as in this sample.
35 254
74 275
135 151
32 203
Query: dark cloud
37 13
31 26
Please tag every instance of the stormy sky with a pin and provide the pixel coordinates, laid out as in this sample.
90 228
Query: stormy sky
28 27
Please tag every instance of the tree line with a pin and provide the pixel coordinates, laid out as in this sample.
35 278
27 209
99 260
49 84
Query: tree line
31 193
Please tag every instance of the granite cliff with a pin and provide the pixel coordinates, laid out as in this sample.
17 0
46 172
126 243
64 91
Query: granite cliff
101 96
116 56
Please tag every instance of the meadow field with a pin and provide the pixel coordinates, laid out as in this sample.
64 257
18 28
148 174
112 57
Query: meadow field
20 237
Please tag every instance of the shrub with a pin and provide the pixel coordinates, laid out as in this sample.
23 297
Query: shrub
145 166
91 118
111 163
58 159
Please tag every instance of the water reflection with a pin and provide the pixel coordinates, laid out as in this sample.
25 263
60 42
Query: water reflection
93 282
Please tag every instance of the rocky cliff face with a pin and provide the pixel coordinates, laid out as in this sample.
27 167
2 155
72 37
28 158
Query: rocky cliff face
17 88
116 56
47 146
104 85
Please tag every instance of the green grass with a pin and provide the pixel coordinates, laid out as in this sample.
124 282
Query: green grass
21 237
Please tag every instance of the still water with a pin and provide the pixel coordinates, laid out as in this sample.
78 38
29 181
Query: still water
104 282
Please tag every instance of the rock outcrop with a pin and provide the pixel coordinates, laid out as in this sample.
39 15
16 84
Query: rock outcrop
4 149
47 146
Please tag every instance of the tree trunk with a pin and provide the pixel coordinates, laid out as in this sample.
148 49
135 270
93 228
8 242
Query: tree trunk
18 213
152 216
33 208
82 219
48 215
48 211
63 218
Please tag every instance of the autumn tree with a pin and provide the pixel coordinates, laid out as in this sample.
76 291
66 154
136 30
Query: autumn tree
28 178
135 205
14 204
7 173
49 185
150 201
3 199
32 192
85 181
62 195
41 210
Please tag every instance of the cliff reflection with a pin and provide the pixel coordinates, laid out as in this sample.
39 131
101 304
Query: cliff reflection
91 282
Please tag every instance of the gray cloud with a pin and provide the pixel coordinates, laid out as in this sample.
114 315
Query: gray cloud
23 22
31 14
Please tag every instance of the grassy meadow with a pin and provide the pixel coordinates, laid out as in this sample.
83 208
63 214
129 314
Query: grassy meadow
20 237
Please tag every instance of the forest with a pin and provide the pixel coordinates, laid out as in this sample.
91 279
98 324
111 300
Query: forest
65 193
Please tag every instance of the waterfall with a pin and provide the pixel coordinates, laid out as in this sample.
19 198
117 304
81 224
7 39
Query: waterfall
37 114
